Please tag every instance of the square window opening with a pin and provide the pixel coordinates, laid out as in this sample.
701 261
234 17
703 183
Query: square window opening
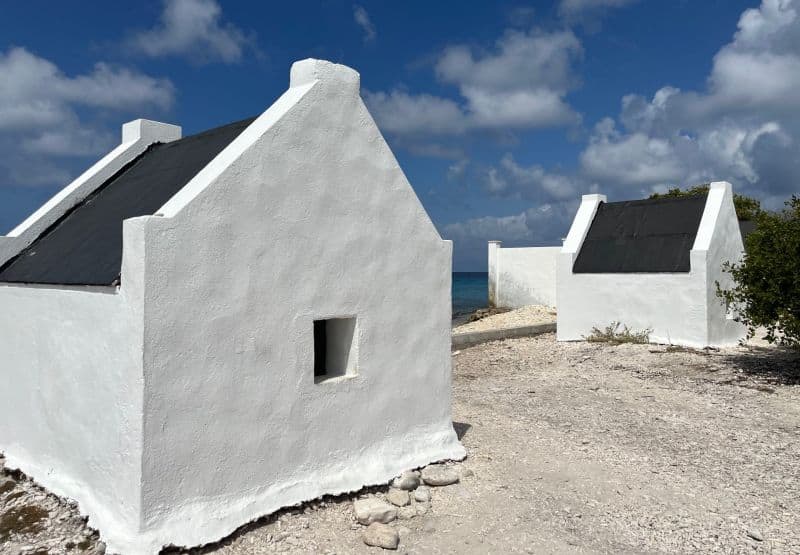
335 348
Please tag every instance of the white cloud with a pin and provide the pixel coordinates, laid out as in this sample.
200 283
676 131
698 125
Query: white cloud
40 112
361 17
534 182
192 28
404 114
519 84
630 159
544 224
741 127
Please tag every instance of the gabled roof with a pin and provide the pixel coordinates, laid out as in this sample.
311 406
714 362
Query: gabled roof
84 247
652 235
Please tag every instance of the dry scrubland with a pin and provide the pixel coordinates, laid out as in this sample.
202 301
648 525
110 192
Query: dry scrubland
580 447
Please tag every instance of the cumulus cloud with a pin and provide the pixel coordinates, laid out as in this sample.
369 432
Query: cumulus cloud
362 19
521 83
40 113
540 225
531 182
194 29
402 113
742 124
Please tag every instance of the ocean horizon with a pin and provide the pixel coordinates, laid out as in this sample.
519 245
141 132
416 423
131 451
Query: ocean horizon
470 292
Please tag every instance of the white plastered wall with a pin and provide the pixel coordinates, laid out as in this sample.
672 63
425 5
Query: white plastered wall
71 363
522 276
137 135
305 216
679 308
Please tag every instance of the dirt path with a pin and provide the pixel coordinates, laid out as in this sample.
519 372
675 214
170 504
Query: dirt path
584 448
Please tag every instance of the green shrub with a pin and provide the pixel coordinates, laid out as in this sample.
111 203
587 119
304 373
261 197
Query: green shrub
747 208
766 289
612 334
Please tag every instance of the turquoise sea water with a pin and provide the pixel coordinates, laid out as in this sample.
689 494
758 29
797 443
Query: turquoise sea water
470 292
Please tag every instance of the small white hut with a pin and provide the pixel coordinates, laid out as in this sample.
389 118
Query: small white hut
651 264
199 331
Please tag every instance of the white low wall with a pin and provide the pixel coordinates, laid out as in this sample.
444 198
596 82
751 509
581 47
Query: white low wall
71 396
522 276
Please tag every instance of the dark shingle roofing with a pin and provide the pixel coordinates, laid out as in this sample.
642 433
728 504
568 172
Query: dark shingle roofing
84 247
652 235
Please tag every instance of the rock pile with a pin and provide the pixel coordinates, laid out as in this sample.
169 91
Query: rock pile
407 498
35 522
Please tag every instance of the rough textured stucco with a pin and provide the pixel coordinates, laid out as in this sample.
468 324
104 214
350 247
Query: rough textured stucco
183 404
305 216
522 276
679 308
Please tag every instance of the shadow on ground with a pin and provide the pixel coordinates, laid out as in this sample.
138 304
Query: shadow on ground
775 365
461 429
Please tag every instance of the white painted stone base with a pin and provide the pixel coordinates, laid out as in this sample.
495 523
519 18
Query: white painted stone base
208 521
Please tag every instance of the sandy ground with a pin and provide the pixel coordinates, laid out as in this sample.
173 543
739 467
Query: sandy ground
586 448
525 316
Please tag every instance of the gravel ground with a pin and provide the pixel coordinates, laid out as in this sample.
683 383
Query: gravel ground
525 316
576 448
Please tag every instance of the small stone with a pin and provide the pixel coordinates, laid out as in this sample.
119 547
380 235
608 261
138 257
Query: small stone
398 497
467 473
438 475
422 494
408 480
98 549
371 510
406 513
756 534
428 526
381 535
422 509
6 485
403 532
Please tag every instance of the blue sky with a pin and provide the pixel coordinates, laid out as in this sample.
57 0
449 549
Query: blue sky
501 113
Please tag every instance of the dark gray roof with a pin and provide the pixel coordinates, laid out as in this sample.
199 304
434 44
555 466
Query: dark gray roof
84 247
746 227
652 235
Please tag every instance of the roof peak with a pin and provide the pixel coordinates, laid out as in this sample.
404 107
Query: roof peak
307 71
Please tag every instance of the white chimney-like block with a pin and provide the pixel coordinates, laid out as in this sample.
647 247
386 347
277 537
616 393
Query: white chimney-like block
150 131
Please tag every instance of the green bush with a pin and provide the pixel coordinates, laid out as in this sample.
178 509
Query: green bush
766 289
747 208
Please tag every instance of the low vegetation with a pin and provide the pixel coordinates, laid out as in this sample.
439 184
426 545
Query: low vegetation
766 291
613 335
